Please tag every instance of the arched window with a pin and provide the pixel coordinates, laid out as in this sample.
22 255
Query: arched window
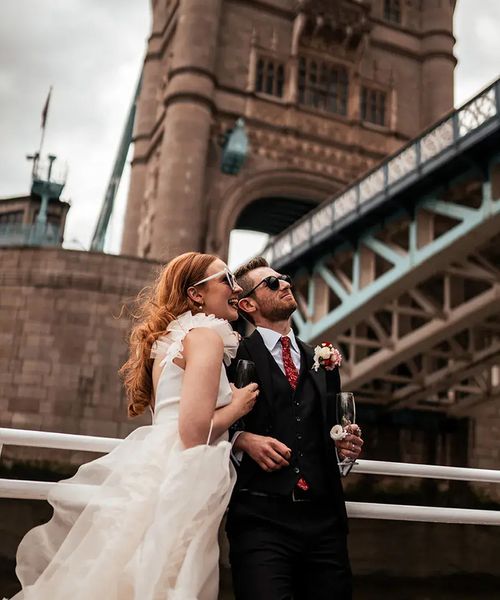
392 11
323 85
270 77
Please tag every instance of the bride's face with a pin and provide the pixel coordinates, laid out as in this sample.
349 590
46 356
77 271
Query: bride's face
220 294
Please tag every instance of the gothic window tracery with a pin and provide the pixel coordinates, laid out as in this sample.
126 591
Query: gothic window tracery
392 11
270 77
373 106
323 85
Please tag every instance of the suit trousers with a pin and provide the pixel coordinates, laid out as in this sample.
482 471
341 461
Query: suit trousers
284 550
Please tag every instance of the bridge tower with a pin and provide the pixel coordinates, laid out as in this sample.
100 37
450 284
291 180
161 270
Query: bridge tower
325 88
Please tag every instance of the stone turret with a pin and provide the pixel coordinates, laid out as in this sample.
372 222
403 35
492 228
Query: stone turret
438 61
326 90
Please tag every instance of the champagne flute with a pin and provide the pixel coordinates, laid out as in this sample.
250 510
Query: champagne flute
346 415
245 373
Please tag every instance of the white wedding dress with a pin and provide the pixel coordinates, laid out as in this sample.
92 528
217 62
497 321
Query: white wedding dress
141 522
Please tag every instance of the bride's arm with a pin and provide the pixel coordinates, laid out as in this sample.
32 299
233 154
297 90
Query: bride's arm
241 404
203 353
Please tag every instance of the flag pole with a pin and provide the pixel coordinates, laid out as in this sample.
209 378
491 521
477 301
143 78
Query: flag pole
45 112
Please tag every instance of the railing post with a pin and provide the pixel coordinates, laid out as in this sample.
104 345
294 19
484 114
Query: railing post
497 98
456 127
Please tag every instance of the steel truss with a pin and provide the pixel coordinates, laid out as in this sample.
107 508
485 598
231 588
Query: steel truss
414 302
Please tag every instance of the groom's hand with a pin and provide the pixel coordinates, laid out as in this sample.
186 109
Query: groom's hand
269 453
351 445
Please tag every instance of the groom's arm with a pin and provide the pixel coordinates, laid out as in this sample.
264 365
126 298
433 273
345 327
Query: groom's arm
269 453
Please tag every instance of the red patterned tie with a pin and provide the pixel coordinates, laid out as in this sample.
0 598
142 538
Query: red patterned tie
293 376
290 369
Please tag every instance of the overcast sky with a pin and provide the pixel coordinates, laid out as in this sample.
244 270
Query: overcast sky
91 51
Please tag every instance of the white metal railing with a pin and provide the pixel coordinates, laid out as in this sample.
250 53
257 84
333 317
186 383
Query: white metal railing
38 490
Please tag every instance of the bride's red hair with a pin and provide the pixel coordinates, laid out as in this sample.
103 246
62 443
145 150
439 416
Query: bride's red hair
157 307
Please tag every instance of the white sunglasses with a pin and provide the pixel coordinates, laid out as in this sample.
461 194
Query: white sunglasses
229 276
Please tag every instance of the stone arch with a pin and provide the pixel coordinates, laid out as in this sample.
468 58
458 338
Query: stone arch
283 183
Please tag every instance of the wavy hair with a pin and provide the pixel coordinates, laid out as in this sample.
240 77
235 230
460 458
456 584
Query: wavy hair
157 307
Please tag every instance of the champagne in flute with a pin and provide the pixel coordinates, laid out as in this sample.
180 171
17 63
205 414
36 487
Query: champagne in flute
346 416
245 373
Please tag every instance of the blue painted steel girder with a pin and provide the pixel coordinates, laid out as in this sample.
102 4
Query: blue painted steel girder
407 269
466 138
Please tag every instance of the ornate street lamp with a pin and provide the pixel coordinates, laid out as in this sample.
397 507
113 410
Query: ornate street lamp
234 149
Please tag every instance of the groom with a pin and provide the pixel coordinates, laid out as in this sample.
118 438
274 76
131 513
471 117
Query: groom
287 522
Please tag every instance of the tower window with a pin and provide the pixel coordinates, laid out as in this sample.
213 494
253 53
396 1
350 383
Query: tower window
373 106
270 77
392 11
323 85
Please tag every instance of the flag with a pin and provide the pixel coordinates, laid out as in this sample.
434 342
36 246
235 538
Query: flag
46 109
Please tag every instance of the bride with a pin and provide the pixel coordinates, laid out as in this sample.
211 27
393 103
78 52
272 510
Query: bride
141 522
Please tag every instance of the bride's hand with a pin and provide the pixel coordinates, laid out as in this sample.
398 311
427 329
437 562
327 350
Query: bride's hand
244 398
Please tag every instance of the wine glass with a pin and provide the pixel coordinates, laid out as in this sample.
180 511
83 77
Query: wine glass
346 415
245 373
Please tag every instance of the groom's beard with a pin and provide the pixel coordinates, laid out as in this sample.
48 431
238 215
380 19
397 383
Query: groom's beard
279 310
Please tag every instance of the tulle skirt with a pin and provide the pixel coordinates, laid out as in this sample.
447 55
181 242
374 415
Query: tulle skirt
140 523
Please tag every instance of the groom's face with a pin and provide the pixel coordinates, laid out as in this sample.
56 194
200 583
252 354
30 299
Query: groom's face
272 305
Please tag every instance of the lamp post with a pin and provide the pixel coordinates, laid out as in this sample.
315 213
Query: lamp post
235 149
45 189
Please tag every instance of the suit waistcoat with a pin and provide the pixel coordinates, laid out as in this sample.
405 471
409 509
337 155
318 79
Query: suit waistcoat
296 423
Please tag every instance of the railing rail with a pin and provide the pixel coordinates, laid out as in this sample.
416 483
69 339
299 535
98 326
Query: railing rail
38 490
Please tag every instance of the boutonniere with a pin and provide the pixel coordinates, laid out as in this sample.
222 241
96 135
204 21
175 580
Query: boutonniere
327 356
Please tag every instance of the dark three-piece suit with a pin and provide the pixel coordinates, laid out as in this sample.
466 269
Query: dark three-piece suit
286 542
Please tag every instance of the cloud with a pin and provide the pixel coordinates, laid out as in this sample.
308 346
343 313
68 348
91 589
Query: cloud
91 51
478 46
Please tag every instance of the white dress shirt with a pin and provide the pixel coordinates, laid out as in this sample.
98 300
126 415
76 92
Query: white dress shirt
272 342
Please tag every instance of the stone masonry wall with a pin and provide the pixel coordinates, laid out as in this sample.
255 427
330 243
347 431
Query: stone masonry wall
484 443
62 342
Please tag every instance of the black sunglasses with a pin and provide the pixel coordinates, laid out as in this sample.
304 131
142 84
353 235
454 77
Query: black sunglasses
272 282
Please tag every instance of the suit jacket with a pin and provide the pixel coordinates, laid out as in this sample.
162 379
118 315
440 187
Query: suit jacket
263 418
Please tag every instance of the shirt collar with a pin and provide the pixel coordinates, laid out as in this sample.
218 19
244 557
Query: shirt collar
271 338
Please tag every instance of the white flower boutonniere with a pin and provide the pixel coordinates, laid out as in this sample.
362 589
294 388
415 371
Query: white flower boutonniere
327 356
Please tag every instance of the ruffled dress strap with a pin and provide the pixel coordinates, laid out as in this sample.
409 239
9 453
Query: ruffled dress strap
170 345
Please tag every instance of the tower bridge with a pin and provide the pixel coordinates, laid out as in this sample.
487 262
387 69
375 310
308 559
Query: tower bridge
325 91
398 266
402 268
